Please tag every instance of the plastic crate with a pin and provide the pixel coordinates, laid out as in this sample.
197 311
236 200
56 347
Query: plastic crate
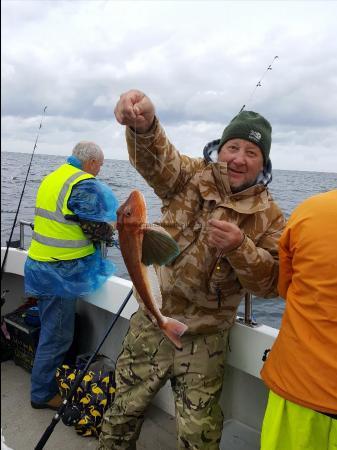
24 339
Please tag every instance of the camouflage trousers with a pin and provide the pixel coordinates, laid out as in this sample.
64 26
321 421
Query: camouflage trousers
147 361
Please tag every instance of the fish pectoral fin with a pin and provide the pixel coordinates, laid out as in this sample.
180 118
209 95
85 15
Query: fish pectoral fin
174 329
158 246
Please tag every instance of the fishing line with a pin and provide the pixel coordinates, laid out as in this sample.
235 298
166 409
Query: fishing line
258 84
23 190
149 151
155 157
136 143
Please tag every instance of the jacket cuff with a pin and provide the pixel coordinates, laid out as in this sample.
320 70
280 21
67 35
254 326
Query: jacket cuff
237 256
148 134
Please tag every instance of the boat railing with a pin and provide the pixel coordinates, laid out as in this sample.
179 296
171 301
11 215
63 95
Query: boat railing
21 242
247 318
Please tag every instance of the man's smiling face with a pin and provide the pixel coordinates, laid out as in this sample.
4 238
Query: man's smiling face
244 162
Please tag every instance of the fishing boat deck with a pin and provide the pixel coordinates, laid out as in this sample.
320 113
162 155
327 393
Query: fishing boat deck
23 426
243 398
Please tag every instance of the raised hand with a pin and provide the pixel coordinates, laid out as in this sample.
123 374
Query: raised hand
135 110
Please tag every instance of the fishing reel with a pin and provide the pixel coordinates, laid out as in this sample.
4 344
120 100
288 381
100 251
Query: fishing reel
71 415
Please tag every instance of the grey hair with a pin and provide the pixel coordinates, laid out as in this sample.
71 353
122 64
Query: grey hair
86 150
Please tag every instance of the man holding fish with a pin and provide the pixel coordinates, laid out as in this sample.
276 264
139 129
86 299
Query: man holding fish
227 226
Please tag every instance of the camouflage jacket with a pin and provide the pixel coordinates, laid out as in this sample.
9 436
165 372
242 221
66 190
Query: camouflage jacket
200 288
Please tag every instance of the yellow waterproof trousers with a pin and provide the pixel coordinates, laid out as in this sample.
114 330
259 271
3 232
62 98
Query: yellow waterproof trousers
287 426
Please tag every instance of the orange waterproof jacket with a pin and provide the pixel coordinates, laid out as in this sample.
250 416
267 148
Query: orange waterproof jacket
302 365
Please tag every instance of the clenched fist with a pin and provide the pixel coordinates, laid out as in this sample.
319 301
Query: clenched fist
135 110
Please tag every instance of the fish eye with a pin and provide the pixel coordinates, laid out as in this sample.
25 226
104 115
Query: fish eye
128 212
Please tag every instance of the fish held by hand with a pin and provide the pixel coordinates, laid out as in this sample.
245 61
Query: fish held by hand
142 245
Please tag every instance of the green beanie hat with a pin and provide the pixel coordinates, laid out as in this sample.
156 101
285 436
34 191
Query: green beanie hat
252 127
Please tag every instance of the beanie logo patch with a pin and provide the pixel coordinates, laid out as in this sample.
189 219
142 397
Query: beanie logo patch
254 136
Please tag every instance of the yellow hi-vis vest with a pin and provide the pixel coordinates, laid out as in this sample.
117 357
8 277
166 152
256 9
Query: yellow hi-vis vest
54 237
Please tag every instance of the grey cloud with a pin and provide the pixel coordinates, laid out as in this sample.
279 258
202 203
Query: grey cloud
77 59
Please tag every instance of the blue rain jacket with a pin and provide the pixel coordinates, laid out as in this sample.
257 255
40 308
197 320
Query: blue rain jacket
90 200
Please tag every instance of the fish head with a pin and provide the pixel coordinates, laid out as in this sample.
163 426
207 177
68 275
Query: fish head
132 211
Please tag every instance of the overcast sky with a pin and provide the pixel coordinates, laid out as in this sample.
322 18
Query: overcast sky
199 61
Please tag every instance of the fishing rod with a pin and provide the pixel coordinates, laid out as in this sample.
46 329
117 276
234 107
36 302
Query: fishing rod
259 83
70 414
23 190
210 153
206 155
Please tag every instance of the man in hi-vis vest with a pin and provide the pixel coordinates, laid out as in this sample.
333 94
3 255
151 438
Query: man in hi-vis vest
73 212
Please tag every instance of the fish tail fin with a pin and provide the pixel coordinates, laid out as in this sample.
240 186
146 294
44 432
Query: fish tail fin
174 330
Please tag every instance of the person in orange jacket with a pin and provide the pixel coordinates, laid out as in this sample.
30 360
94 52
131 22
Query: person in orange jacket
301 369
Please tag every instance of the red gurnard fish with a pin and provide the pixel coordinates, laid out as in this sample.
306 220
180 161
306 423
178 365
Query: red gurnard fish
142 245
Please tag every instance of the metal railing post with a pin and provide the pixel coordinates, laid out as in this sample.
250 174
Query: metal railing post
248 309
247 318
22 232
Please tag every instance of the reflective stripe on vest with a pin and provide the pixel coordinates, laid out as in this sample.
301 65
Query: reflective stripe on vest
53 216
57 215
60 242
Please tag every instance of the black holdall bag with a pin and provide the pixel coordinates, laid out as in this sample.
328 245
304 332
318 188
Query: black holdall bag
94 395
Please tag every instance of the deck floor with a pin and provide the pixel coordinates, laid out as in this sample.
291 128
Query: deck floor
22 426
